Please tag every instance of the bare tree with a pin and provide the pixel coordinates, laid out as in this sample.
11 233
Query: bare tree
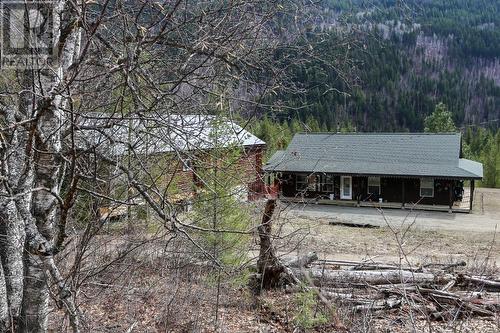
79 127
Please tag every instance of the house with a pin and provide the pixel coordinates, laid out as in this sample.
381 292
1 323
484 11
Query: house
174 147
382 169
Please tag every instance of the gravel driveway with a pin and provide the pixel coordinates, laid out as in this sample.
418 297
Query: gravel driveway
484 218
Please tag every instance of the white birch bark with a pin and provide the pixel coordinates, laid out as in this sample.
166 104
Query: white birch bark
12 234
11 246
44 205
4 306
31 165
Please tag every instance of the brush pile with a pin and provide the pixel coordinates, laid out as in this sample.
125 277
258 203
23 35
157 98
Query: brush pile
436 291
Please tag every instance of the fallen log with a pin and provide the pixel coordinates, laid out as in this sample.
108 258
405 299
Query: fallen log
321 277
379 305
460 305
354 225
489 285
446 267
376 267
302 261
435 303
365 265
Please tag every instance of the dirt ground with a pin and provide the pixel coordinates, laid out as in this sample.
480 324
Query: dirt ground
156 289
419 236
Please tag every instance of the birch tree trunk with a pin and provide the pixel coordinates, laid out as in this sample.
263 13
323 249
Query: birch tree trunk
31 165
12 232
4 305
11 246
173 64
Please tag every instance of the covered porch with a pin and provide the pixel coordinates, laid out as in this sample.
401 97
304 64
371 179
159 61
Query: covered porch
437 194
458 206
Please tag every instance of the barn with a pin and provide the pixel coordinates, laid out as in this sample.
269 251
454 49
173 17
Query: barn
404 170
175 149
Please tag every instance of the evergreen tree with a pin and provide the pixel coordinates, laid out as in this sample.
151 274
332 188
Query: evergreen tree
440 121
218 205
490 157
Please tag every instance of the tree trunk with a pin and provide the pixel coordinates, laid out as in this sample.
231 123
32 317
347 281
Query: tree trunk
482 282
271 271
12 231
322 277
11 248
30 170
302 261
268 265
34 316
4 306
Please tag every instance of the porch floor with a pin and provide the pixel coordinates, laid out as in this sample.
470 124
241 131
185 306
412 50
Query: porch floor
458 206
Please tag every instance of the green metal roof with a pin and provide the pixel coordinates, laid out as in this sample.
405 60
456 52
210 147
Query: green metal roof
397 154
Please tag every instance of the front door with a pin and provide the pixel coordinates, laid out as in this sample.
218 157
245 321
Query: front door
346 187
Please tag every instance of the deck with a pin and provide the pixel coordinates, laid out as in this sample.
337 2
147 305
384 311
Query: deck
458 206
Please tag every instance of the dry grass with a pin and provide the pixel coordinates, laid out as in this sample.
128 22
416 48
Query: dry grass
152 290
183 299
420 246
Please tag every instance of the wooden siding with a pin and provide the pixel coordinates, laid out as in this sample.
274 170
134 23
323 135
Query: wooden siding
391 189
184 183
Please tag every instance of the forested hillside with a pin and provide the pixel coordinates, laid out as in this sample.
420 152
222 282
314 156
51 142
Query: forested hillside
409 56
406 57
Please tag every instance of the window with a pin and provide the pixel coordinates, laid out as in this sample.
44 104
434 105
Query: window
374 185
326 183
269 179
312 182
300 182
427 187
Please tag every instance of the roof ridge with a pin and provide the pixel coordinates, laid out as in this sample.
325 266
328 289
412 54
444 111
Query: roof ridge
378 133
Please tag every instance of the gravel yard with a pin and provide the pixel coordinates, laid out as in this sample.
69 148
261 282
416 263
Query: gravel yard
420 236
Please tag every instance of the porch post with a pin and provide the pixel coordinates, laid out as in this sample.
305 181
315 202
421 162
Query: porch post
402 193
471 194
451 196
359 188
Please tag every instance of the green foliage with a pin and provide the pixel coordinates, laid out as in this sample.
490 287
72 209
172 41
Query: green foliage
276 135
83 211
309 314
474 24
396 85
483 145
440 121
490 157
217 208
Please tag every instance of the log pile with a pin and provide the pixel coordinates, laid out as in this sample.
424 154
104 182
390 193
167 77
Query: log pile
436 291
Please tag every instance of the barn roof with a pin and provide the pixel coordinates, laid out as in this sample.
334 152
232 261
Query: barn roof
161 133
396 154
